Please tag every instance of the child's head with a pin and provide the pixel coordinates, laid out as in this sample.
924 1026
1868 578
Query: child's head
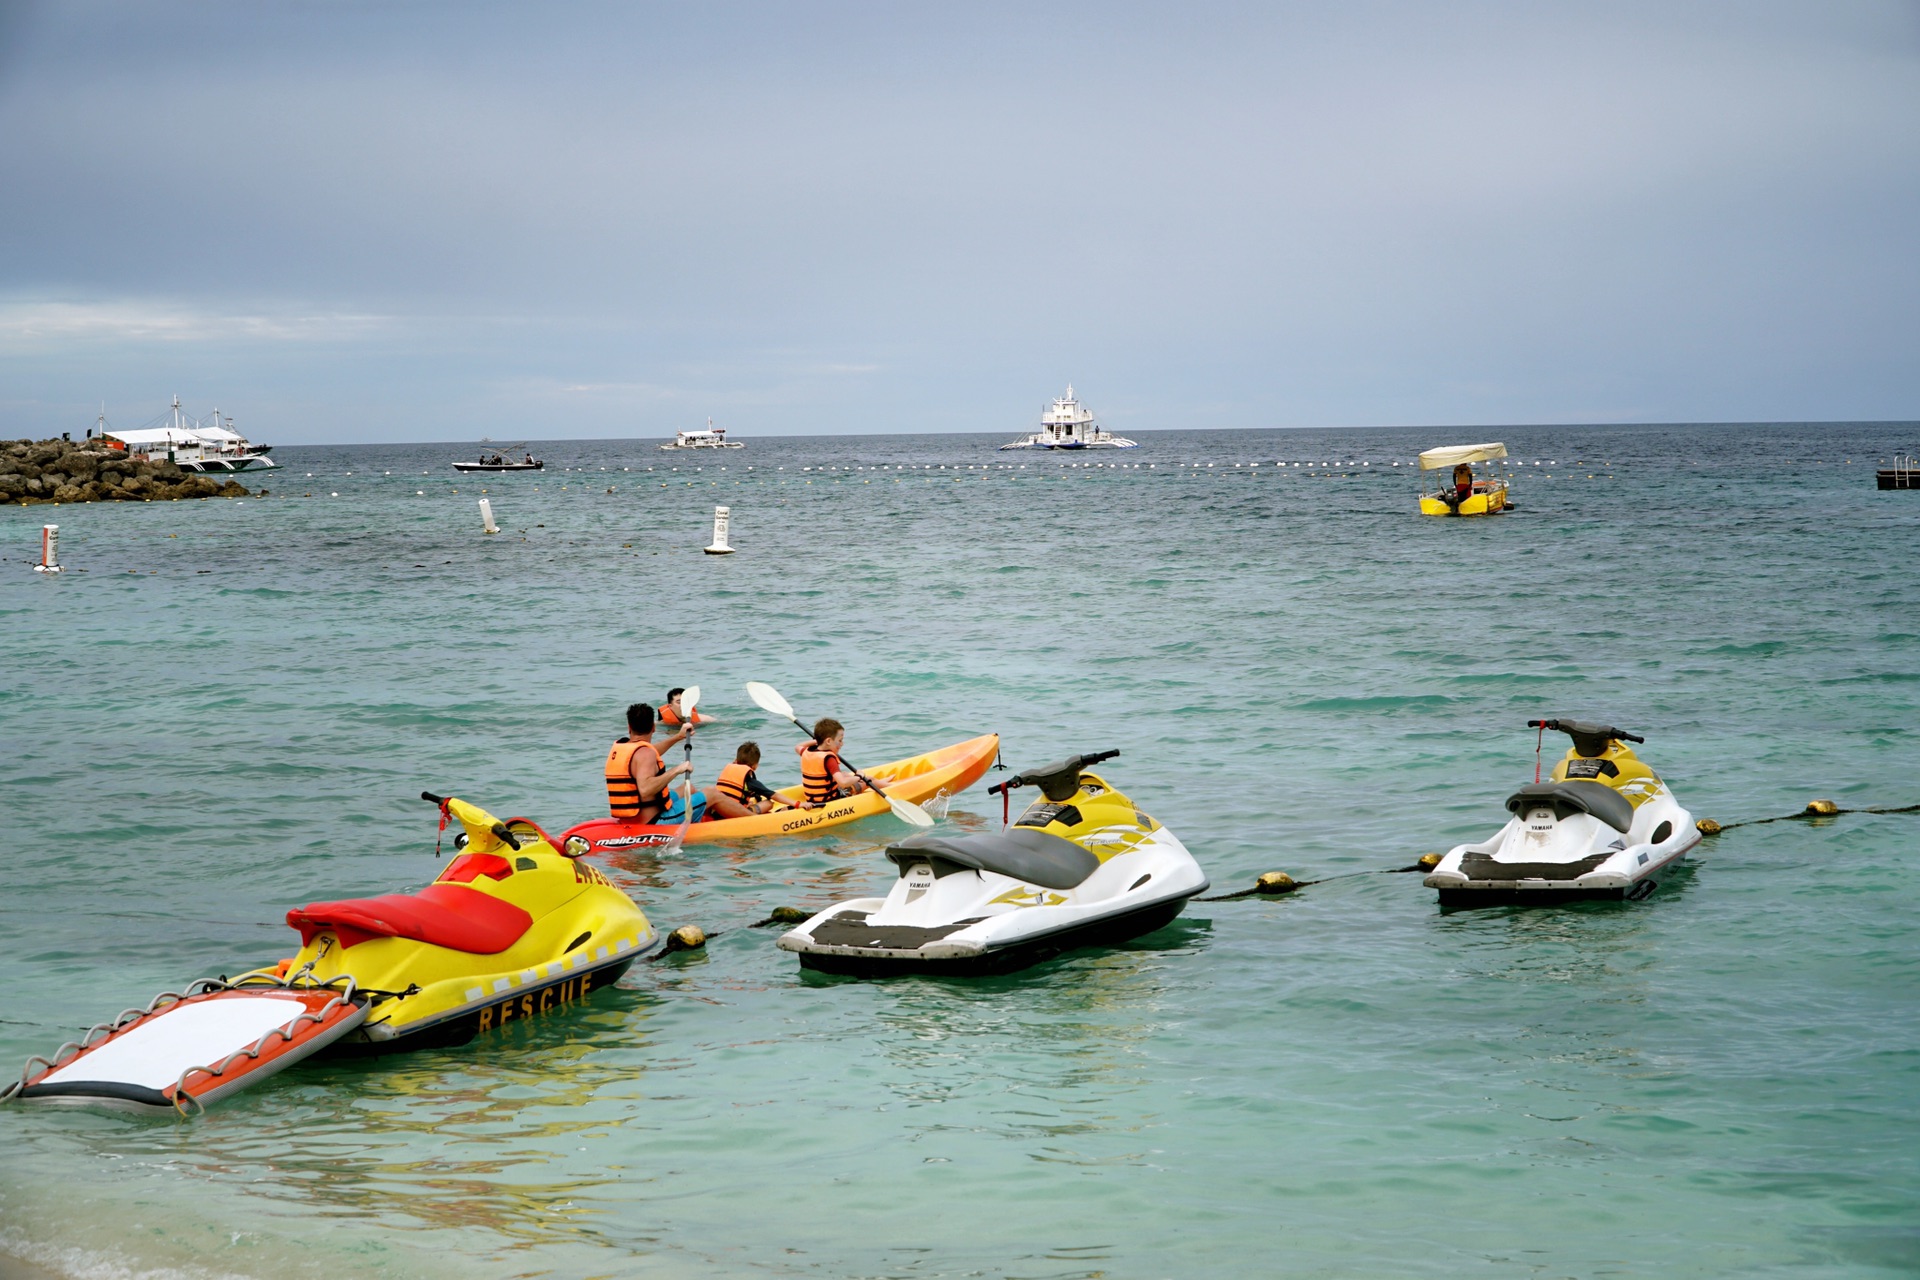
825 731
748 755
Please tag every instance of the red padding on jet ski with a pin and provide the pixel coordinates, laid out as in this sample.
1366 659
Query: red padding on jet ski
470 866
445 915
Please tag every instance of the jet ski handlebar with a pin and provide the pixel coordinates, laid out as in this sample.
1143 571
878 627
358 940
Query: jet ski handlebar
1581 730
1062 776
500 831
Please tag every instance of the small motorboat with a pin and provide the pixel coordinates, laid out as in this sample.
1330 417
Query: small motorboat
495 457
1463 491
1083 866
919 779
1604 827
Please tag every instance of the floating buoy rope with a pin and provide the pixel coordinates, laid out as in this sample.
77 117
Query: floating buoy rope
688 937
1814 809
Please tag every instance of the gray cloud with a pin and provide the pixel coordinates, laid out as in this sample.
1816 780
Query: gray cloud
1380 213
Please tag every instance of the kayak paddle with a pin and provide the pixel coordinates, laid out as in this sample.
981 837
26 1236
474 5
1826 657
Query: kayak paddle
687 698
768 698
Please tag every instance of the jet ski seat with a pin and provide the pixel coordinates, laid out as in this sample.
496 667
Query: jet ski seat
1033 857
442 915
1566 798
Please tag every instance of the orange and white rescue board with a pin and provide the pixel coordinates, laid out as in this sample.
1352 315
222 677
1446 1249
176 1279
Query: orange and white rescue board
183 1055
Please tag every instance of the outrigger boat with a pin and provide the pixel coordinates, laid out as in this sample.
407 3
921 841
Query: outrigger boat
947 770
510 930
1486 493
1604 827
1083 866
1068 424
712 438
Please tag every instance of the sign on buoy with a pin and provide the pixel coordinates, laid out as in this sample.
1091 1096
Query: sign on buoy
49 549
721 516
486 518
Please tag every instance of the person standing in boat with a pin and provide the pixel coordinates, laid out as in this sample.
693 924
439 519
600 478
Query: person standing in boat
636 779
822 774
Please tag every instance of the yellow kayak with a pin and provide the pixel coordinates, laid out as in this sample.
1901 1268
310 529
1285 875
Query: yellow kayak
948 770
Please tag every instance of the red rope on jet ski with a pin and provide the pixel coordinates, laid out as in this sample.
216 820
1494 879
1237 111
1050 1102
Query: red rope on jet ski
1537 743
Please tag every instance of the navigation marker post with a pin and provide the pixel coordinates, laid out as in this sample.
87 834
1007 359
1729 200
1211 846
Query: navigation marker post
722 516
49 549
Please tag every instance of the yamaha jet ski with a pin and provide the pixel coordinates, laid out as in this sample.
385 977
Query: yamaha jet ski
1604 827
511 929
1083 866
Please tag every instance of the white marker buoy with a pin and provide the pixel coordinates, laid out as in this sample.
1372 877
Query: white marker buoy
486 517
49 549
721 517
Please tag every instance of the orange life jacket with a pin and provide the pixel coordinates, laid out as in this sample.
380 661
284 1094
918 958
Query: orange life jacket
733 781
623 793
817 770
667 715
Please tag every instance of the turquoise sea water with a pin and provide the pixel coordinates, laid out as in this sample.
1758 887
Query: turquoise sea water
230 712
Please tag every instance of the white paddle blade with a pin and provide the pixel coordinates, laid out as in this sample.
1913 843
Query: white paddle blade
909 812
687 698
768 698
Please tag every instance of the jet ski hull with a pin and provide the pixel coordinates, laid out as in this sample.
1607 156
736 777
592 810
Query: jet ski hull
1540 891
887 962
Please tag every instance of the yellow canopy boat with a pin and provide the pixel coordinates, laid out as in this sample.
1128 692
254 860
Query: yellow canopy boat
917 778
1465 492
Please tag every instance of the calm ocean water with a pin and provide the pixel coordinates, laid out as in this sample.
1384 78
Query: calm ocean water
231 710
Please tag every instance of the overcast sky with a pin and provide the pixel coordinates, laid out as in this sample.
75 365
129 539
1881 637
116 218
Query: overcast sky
409 221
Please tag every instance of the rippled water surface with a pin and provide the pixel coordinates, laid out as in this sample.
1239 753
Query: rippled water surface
225 709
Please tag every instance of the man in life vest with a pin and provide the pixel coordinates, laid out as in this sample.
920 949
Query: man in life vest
1462 486
670 713
637 781
822 776
740 792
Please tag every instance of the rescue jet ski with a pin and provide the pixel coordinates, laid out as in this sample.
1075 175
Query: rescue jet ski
1083 866
1604 827
511 929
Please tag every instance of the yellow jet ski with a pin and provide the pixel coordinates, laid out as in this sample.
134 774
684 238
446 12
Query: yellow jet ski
512 929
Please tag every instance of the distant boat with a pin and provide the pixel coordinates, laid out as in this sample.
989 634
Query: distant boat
1070 425
712 438
499 457
191 443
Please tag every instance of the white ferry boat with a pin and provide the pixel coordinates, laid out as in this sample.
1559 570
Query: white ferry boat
712 438
193 444
1070 425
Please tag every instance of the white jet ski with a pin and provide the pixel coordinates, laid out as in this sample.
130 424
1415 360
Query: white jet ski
1081 867
1604 827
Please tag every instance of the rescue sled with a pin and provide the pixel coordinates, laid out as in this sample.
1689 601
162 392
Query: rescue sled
188 1049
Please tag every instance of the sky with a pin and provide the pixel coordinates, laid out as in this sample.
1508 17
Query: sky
348 220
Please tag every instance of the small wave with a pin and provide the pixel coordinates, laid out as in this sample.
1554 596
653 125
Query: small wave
1409 702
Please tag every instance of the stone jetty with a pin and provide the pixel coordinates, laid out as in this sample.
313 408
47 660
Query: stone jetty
36 471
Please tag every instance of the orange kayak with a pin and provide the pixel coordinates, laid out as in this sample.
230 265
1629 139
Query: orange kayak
945 771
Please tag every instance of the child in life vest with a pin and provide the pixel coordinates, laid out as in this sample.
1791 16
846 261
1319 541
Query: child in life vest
823 775
740 792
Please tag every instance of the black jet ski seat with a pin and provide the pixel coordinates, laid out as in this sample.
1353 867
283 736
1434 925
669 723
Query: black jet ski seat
1032 857
1567 798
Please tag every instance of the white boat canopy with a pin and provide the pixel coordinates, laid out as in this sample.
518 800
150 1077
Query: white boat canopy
1453 455
158 435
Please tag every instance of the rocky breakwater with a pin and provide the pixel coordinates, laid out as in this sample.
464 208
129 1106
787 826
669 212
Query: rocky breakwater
33 472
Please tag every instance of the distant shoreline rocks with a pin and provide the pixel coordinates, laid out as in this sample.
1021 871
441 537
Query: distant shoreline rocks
33 472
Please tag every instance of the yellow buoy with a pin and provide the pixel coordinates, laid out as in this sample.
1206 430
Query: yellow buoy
1275 882
688 937
789 915
1428 861
1707 827
1823 807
